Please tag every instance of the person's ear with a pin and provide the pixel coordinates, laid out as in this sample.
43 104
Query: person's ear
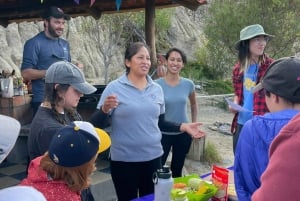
127 63
56 86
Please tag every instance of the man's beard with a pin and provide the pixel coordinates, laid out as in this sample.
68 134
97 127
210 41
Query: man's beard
52 32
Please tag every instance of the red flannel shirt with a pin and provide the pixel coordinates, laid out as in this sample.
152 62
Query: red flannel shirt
259 105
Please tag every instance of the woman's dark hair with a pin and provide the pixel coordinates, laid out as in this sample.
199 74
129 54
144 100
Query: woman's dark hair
182 54
131 50
51 95
243 50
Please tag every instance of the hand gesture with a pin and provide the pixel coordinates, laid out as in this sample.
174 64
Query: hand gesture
110 103
193 129
232 110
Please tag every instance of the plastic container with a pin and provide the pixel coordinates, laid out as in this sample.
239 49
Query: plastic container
163 184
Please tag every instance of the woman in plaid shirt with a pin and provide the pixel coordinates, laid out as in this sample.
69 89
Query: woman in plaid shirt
247 72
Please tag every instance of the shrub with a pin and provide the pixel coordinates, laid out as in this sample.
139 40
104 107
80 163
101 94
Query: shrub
211 154
218 87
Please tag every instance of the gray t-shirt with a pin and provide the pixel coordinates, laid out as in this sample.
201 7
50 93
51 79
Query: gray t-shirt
135 134
43 127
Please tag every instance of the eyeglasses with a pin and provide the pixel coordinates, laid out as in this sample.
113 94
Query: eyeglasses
259 40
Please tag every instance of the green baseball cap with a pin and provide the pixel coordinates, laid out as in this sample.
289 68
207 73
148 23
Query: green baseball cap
251 31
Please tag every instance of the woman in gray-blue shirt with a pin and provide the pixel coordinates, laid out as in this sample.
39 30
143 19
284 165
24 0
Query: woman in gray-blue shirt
178 91
134 106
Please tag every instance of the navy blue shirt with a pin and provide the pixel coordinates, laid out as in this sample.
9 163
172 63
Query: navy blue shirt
39 53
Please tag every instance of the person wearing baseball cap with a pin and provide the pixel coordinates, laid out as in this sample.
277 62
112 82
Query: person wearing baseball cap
42 50
55 12
281 88
9 132
65 84
63 172
247 72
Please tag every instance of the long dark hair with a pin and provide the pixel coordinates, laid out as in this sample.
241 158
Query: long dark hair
51 96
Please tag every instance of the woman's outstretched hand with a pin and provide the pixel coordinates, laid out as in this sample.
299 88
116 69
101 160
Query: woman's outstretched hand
193 129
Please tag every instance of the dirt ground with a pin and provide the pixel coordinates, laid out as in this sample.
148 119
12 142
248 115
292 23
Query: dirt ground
211 117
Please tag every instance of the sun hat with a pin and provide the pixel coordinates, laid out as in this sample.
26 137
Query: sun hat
55 12
24 193
251 31
283 79
9 132
77 143
64 72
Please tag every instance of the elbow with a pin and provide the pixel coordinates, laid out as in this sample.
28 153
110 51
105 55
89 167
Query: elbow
25 75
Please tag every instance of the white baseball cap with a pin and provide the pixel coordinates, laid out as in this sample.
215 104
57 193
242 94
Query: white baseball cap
24 193
9 132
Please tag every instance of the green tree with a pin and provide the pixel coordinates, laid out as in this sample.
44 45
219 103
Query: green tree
107 35
226 18
162 24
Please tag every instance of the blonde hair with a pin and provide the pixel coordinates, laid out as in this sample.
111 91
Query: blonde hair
247 61
77 178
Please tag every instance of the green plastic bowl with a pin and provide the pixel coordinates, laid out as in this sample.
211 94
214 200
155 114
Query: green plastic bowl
212 189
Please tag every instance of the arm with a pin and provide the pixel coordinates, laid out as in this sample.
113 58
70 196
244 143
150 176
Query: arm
100 119
30 60
194 106
191 128
32 74
236 101
101 116
237 85
245 177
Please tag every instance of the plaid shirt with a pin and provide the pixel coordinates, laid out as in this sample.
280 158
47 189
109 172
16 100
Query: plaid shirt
259 105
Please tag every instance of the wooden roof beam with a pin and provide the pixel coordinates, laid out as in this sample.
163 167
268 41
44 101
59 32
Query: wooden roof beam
191 4
95 13
4 22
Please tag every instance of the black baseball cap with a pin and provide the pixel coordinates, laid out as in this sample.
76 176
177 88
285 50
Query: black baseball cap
55 12
283 79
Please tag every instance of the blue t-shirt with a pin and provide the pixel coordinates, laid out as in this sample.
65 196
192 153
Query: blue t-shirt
39 53
250 78
176 100
135 134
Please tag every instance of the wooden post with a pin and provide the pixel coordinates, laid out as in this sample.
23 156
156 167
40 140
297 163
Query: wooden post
150 30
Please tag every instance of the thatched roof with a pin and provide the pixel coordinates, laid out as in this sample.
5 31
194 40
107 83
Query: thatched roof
28 10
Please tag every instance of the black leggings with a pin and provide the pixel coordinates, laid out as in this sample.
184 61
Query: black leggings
133 179
180 145
236 136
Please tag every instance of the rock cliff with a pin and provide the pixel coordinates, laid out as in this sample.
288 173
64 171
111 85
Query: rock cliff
184 33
